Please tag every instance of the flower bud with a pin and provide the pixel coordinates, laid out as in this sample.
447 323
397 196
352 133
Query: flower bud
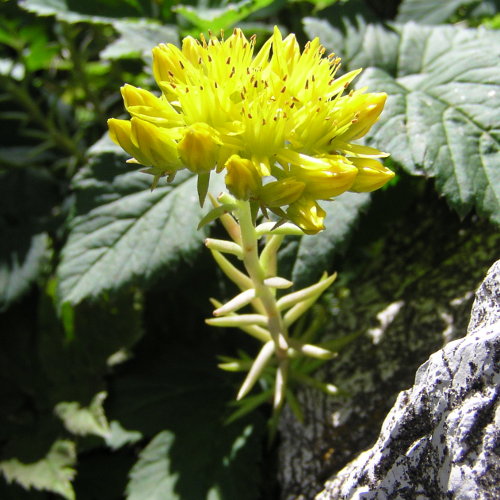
145 105
283 192
372 175
156 144
199 148
368 108
307 214
242 178
120 132
325 183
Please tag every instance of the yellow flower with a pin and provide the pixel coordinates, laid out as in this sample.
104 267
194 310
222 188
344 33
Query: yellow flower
281 110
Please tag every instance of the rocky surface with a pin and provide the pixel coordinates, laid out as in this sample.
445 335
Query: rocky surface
412 295
442 437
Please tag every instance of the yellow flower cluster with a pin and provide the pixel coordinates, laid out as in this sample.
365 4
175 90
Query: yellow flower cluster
278 123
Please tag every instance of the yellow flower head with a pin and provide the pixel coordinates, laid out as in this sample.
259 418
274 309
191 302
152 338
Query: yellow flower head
279 113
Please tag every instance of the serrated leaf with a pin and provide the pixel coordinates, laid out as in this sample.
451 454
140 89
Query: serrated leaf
429 11
125 233
53 473
81 420
27 197
179 389
220 18
94 11
441 116
154 477
315 253
137 38
92 331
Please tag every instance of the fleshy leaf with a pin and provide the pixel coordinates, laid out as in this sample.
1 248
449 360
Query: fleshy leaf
441 117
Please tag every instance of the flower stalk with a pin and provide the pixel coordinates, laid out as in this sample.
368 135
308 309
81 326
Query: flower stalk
258 288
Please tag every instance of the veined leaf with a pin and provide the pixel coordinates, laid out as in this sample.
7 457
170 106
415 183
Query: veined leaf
178 396
154 477
95 11
218 18
125 233
137 38
82 421
53 473
441 117
429 11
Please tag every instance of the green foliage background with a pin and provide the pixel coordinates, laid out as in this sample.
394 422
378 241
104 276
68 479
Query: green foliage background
108 376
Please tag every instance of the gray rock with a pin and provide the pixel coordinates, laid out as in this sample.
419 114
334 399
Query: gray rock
442 437
403 302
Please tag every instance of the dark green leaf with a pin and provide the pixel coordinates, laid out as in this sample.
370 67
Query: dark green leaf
125 233
76 359
441 116
175 390
27 197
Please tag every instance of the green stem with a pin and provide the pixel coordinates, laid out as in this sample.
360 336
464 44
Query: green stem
249 244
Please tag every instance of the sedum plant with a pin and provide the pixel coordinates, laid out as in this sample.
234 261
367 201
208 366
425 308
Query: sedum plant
280 127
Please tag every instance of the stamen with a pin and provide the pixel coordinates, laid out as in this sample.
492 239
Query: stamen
250 116
228 60
283 90
181 65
